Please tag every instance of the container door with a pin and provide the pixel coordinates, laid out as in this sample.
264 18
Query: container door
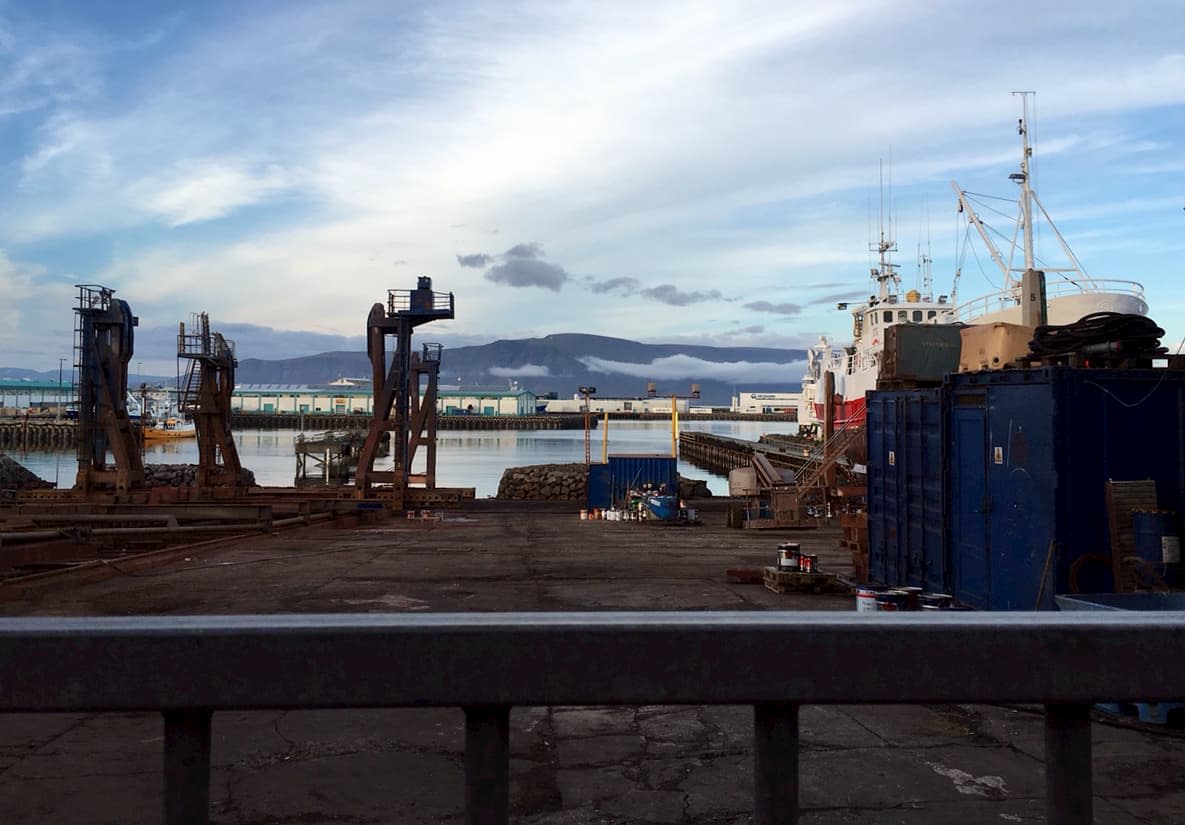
924 522
913 522
1022 481
936 551
893 462
877 468
600 495
970 501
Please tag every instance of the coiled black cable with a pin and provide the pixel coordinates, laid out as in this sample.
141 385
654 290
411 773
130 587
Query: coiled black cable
1099 333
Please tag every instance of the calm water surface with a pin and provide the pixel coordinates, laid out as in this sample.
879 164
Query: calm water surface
463 459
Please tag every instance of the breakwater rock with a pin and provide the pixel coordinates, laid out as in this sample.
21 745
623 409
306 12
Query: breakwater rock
14 476
693 488
545 482
180 475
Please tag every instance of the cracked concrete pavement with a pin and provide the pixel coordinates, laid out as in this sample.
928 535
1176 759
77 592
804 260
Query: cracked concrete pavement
867 764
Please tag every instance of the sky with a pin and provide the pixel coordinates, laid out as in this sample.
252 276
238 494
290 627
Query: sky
700 172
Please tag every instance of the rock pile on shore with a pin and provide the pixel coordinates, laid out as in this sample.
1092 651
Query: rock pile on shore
693 488
545 482
179 475
13 476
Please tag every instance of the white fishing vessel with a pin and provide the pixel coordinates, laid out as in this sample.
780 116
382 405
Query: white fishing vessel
1070 294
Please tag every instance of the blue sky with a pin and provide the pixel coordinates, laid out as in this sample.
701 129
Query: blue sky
684 171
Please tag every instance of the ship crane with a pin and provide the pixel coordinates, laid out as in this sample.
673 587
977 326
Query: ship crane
1074 273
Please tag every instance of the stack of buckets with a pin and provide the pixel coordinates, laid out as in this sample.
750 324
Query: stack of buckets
876 597
791 559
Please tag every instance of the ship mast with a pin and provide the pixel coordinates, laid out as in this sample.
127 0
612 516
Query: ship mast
1029 204
885 271
1022 178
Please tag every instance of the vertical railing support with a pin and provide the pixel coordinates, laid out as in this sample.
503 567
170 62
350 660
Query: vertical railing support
487 765
1069 793
187 767
775 764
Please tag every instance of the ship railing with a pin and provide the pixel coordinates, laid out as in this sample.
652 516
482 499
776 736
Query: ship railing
1054 288
188 668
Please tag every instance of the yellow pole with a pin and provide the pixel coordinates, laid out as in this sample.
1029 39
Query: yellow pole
587 452
605 441
674 429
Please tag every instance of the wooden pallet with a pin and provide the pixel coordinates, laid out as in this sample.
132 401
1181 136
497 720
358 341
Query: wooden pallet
1122 499
780 581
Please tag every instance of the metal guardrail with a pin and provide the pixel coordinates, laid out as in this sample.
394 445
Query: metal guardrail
189 667
1054 288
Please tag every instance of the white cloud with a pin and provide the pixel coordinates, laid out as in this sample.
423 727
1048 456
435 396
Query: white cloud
207 190
36 317
525 371
684 366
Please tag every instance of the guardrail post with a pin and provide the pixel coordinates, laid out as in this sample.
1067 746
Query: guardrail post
187 767
775 764
1069 792
487 765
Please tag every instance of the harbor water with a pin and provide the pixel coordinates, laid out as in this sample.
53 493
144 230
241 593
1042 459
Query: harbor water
463 459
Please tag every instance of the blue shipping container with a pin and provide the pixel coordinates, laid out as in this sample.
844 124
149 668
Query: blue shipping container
1031 452
907 541
609 484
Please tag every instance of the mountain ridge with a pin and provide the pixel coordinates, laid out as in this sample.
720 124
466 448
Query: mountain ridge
560 363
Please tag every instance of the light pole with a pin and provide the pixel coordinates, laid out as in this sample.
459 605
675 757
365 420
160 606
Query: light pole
586 392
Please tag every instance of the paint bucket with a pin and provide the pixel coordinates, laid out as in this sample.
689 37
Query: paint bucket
893 600
1157 538
584 515
789 559
913 597
935 601
809 563
866 596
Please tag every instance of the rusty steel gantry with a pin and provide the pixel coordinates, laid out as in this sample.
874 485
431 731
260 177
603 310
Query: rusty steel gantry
103 346
404 391
206 396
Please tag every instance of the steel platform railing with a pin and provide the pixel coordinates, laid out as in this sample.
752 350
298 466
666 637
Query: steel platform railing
187 668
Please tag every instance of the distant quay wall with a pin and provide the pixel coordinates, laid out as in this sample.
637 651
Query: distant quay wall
34 434
324 421
545 421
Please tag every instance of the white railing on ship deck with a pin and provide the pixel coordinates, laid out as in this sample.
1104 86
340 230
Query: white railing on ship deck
1054 288
188 668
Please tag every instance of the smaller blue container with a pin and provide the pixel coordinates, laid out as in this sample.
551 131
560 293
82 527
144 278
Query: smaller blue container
1157 536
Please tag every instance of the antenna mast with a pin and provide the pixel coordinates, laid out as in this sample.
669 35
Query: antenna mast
884 271
1022 178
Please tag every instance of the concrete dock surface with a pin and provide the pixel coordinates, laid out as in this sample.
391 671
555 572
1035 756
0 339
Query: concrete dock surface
652 764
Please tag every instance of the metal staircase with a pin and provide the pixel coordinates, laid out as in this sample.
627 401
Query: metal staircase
827 455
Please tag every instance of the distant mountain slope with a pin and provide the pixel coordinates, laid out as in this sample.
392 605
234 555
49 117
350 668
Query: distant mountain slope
563 363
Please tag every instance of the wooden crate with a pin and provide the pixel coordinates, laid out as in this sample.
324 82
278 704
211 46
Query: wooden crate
1122 499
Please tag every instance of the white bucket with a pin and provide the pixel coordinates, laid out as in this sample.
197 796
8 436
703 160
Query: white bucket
584 515
866 596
